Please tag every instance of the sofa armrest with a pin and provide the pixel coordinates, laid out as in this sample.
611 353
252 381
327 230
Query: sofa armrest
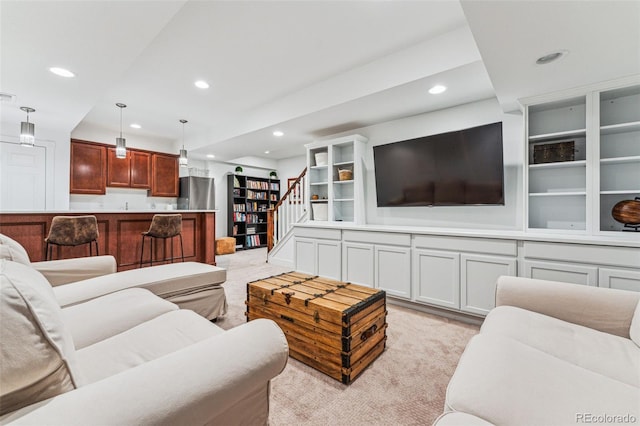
66 271
191 386
604 309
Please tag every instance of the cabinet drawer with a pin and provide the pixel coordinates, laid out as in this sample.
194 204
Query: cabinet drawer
583 253
388 238
478 245
324 233
556 271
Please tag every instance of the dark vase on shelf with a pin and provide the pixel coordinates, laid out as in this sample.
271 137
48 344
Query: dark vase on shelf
628 213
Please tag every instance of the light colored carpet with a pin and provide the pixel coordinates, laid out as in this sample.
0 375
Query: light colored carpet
405 386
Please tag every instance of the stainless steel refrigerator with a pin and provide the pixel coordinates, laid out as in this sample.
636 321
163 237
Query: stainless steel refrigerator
197 193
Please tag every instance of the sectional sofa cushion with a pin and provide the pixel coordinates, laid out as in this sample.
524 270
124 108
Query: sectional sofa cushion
612 356
37 356
106 316
171 332
504 381
162 280
12 250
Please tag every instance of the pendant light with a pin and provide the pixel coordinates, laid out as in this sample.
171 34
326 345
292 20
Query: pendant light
121 143
183 161
27 130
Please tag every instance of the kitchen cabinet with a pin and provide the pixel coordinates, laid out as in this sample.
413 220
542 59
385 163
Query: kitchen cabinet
164 179
133 171
88 168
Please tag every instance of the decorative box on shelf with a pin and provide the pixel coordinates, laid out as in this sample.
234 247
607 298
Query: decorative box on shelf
554 152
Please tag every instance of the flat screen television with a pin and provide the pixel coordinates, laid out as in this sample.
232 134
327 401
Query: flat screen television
450 169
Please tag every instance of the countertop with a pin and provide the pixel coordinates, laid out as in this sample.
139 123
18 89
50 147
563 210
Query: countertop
623 239
62 212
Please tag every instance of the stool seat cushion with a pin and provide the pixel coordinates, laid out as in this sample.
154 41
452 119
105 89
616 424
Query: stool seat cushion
161 280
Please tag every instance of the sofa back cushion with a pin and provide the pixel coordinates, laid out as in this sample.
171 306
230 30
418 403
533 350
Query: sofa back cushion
634 330
12 250
37 356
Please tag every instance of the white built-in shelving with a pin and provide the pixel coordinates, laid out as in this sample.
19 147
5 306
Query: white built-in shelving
577 193
557 187
619 151
344 198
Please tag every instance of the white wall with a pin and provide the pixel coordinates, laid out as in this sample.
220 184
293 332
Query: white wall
510 216
290 168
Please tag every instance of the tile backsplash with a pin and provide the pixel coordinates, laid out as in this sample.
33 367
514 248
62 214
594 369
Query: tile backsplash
121 199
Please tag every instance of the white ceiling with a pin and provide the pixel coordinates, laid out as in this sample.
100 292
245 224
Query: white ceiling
308 68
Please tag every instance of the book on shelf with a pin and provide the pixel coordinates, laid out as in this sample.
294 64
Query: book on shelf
253 241
239 217
275 186
236 182
254 184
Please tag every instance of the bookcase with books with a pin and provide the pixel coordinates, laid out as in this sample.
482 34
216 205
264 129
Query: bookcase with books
248 199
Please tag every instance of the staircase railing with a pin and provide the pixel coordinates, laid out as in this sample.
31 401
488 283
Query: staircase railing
288 211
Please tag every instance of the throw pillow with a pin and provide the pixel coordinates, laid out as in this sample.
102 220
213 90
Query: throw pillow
37 356
12 250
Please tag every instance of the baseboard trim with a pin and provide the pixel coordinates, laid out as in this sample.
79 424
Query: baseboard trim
458 316
281 262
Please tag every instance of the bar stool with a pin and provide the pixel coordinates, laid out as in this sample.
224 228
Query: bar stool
163 226
72 231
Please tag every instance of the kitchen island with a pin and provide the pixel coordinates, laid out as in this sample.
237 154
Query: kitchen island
120 235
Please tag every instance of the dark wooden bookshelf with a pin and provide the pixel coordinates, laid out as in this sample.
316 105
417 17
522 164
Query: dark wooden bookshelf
248 199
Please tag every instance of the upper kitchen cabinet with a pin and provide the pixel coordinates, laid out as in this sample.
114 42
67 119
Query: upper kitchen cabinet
88 168
164 171
133 171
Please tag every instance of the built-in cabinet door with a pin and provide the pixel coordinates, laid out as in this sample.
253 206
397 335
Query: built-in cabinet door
436 277
565 272
478 276
164 181
88 168
328 259
619 279
393 270
118 169
357 263
140 169
305 255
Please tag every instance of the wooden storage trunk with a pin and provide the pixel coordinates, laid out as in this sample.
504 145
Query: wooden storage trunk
335 327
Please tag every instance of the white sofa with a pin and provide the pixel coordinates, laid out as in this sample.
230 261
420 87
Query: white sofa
550 353
127 358
190 285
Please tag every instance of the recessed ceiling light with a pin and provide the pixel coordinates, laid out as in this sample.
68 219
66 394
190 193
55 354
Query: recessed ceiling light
266 152
135 126
211 156
278 133
550 57
7 97
201 84
62 72
438 88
